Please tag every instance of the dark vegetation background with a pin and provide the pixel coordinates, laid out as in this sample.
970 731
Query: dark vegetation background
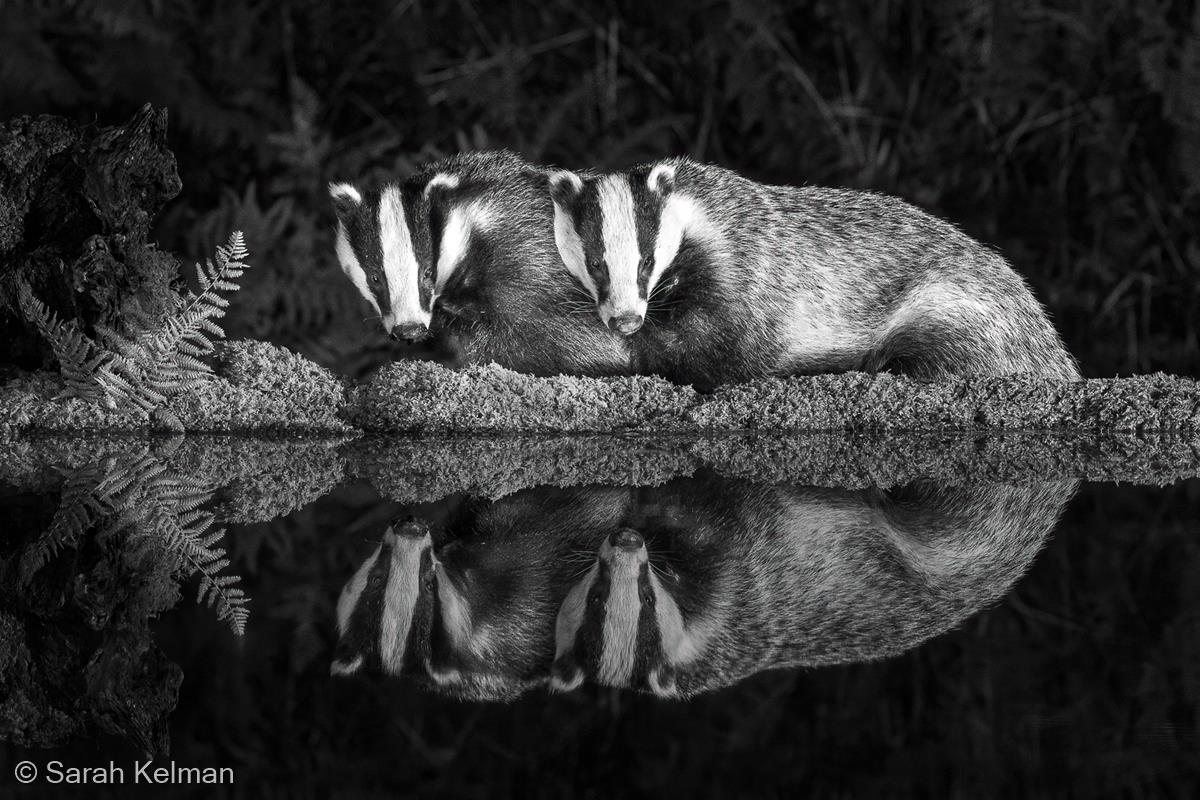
1067 134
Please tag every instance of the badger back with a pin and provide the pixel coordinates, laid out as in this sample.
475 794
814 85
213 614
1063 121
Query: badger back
752 578
837 576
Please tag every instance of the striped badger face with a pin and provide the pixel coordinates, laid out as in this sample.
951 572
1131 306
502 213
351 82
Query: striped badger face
385 611
617 234
450 620
401 245
621 625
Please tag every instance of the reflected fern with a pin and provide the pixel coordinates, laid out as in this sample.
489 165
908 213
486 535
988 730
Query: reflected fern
140 497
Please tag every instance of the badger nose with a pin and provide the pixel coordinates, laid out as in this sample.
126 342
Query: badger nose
625 324
409 527
409 332
626 539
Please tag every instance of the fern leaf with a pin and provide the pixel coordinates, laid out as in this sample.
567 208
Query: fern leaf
228 600
146 366
195 547
77 355
79 508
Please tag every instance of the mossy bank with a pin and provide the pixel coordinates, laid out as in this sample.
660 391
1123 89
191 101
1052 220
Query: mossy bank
261 388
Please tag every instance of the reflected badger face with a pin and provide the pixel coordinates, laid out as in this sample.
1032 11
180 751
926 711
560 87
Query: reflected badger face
449 617
622 626
490 637
385 610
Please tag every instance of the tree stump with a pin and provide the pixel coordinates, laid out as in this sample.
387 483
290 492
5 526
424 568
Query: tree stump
76 207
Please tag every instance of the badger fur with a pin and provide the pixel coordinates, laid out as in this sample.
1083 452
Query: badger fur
716 278
385 610
684 588
471 615
709 581
465 250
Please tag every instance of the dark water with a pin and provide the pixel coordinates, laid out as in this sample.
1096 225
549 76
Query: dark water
694 635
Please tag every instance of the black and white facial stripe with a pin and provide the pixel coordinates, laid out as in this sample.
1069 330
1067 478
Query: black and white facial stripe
617 234
402 244
620 626
403 613
385 610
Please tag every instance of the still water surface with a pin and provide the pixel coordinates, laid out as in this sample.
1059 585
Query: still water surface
698 636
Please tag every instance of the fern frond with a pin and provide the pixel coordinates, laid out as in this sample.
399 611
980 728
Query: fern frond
189 537
78 356
145 367
138 494
74 516
78 509
229 601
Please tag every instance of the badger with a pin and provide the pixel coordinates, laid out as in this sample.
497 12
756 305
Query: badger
711 580
716 278
470 613
464 251
385 611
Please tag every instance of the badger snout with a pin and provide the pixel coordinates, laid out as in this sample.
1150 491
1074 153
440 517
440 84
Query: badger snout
409 527
626 539
410 332
625 324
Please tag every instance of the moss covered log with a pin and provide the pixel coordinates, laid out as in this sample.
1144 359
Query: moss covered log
260 388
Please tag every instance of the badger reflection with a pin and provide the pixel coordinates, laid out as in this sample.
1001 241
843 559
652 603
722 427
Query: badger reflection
683 588
469 609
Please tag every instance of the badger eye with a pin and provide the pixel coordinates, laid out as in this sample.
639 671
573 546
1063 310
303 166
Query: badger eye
375 278
644 264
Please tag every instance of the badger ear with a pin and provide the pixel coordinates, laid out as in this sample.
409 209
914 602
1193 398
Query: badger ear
440 184
343 667
346 199
662 681
565 186
565 675
662 179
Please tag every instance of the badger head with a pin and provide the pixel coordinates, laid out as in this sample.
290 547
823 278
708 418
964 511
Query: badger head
621 625
491 636
617 234
444 619
385 610
402 244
